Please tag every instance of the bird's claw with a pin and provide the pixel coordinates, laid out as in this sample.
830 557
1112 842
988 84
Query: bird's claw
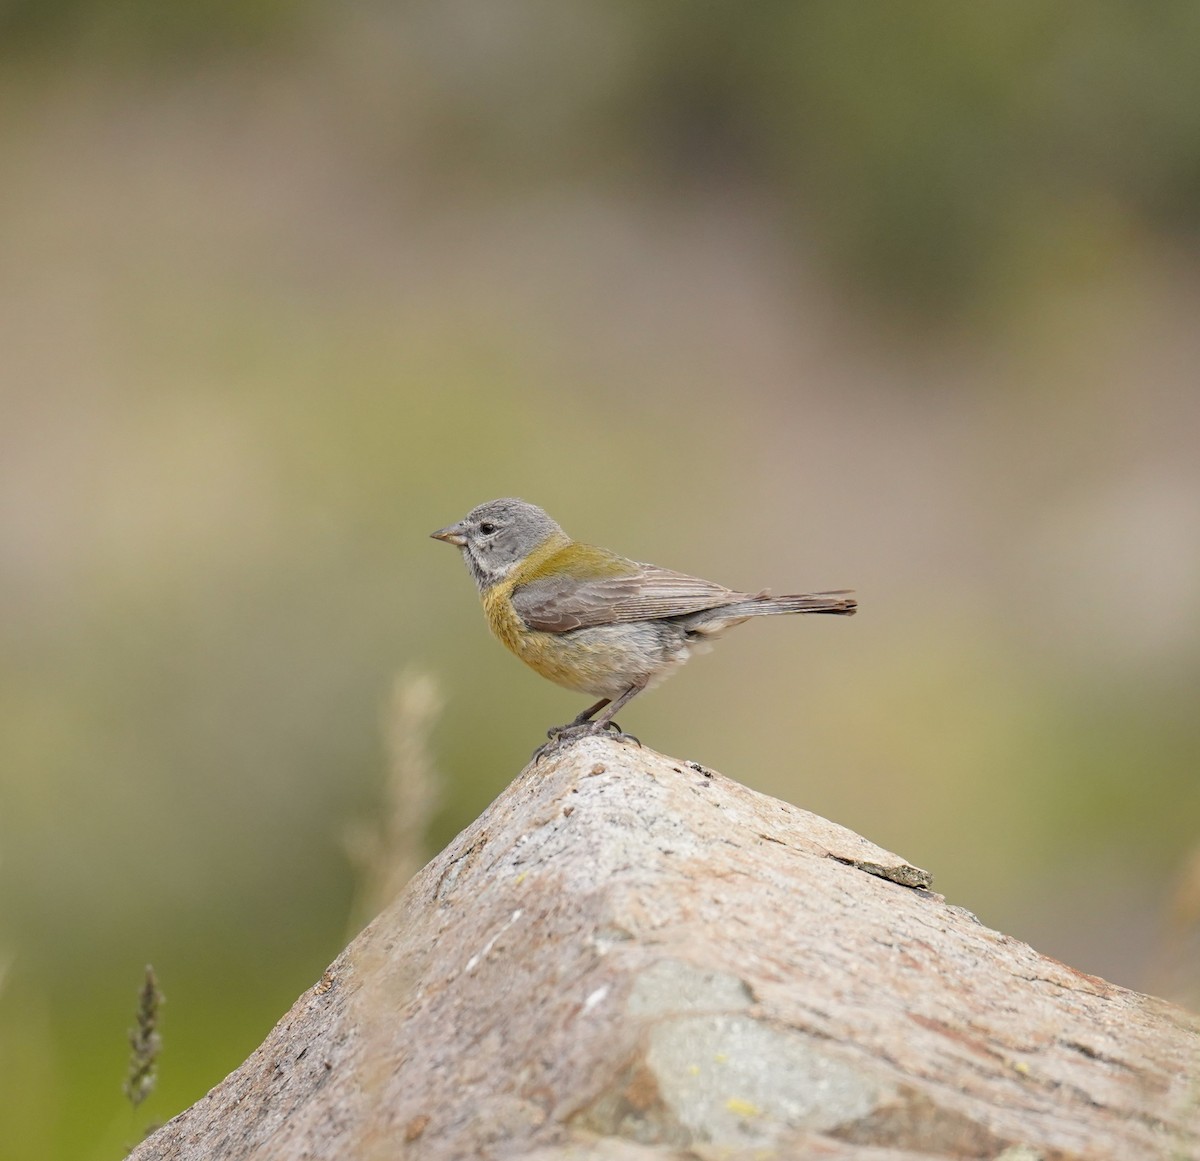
578 729
565 735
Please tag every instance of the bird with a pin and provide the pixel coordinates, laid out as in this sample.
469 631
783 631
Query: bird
596 622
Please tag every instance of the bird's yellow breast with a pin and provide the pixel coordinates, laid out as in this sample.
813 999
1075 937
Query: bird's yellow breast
562 658
502 618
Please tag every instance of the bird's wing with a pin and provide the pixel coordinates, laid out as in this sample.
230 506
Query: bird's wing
561 602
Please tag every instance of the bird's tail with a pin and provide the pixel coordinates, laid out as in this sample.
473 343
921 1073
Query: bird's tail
841 603
712 622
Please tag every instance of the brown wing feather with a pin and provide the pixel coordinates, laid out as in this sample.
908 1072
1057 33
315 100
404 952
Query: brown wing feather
559 604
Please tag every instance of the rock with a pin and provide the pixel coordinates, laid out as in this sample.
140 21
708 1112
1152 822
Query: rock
630 957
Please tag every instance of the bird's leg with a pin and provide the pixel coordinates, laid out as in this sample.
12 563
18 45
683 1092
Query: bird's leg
614 707
605 720
586 716
590 712
587 725
578 720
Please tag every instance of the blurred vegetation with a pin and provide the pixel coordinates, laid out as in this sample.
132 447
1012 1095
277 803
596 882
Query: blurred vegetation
814 295
931 151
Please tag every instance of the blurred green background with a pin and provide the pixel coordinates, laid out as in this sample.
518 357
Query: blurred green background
896 297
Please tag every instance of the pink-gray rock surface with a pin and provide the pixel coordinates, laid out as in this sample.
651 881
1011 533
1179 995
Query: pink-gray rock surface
628 957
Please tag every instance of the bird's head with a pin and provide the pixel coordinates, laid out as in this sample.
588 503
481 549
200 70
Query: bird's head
497 536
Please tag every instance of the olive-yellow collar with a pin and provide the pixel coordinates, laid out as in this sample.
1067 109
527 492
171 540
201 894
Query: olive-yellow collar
530 567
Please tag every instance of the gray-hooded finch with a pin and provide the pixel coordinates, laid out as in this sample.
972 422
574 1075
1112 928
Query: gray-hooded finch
593 621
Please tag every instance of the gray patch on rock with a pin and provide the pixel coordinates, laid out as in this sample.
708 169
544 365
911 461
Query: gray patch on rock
732 1080
670 986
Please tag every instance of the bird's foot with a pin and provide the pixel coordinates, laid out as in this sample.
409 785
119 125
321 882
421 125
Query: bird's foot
563 736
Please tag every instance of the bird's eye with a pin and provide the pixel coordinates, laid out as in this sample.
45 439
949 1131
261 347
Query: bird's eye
487 528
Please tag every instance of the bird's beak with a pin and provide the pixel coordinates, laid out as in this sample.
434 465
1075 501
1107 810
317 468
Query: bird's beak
452 534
